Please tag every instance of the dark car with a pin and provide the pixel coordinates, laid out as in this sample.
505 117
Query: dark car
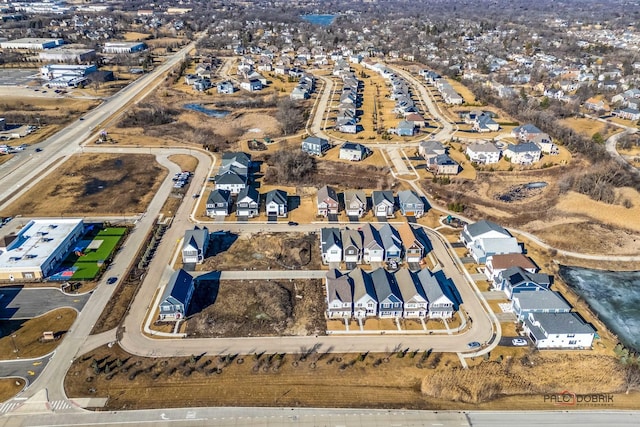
473 344
38 150
112 280
292 223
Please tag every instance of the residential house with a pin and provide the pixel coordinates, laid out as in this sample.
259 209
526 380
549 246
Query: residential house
485 123
230 181
355 203
373 251
515 280
414 244
405 128
218 203
431 148
251 85
595 104
195 245
225 87
327 202
365 301
383 203
391 243
524 153
351 247
543 141
276 203
410 203
388 294
236 161
347 125
442 164
483 153
339 290
559 330
628 114
496 264
315 146
177 296
330 245
524 303
438 293
353 151
525 132
300 92
248 202
412 293
485 238
416 119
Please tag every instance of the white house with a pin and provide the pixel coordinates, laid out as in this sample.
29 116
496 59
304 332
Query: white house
339 290
365 302
524 153
559 330
484 153
195 244
330 245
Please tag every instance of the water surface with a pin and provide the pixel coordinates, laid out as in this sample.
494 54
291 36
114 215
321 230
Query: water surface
218 114
322 20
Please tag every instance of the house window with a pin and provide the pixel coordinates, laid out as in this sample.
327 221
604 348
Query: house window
573 342
571 335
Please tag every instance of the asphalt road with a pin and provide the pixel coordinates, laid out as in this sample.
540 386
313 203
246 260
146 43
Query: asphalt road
26 303
298 417
29 369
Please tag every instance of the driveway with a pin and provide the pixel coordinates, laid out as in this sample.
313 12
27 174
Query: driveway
27 303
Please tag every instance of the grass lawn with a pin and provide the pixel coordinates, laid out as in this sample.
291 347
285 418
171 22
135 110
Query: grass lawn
28 332
88 265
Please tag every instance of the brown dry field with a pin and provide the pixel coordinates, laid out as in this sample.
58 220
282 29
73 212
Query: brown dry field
9 387
467 95
589 127
340 380
27 333
134 36
262 251
94 184
185 161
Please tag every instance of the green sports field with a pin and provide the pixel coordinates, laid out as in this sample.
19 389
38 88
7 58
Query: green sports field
97 248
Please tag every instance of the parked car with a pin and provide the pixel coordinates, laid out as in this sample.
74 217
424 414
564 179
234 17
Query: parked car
473 344
519 342
292 223
112 280
38 150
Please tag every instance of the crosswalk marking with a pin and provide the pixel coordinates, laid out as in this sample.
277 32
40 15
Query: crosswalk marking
8 407
58 405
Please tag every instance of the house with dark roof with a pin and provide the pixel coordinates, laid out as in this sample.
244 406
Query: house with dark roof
177 296
524 153
355 203
388 294
315 146
405 128
195 245
365 301
559 330
525 132
443 164
248 202
515 280
383 203
218 203
431 148
327 201
230 181
339 289
485 238
351 247
412 293
524 303
410 203
353 151
442 300
276 203
373 251
330 245
391 243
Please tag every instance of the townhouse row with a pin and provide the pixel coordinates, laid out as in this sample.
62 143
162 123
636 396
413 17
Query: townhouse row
403 294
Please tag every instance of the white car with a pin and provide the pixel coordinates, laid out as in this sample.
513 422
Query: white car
519 342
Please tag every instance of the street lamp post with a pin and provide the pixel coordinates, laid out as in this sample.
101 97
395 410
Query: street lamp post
13 340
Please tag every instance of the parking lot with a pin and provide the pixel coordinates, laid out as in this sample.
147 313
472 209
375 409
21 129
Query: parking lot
17 77
27 303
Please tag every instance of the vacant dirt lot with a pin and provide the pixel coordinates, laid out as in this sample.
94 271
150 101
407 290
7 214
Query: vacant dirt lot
257 308
332 380
9 387
263 251
94 184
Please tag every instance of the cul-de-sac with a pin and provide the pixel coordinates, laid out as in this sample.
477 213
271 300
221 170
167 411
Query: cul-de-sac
355 212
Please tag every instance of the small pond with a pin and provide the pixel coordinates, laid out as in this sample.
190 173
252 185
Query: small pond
218 114
521 192
322 20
